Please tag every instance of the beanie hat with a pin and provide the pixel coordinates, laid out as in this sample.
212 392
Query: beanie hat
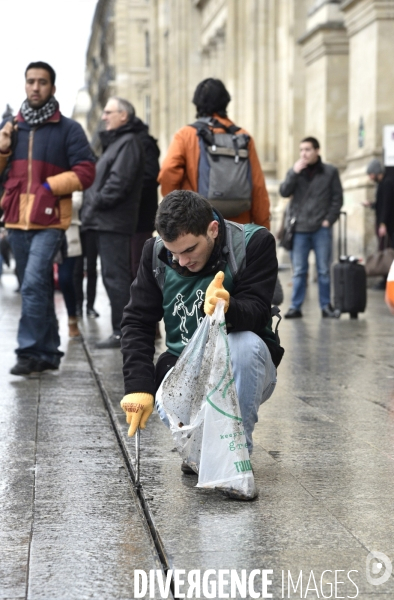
375 167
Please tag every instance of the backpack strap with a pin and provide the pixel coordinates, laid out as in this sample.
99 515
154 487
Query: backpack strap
275 312
159 272
235 248
209 123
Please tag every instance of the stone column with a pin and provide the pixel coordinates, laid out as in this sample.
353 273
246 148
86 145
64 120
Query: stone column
132 53
370 26
176 65
325 51
289 82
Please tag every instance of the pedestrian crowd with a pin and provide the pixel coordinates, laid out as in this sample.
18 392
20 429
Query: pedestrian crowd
61 205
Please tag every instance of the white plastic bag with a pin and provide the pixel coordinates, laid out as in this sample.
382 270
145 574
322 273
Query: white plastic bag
200 399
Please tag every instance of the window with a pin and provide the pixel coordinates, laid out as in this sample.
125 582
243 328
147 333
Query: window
147 49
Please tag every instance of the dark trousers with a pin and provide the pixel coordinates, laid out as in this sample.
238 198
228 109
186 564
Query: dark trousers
114 251
66 284
90 251
137 243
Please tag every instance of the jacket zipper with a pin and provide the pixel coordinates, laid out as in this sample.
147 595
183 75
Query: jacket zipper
29 169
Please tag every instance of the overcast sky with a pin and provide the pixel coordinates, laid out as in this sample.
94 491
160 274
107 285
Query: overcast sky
55 31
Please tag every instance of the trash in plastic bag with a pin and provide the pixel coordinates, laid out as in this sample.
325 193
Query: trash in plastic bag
200 399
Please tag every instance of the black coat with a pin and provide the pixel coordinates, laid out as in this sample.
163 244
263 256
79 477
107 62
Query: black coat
384 205
317 196
148 206
112 202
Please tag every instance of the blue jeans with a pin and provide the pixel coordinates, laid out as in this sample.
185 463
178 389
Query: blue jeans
254 375
38 333
321 242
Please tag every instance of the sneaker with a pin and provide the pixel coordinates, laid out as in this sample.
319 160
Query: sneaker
328 312
44 365
187 470
293 313
73 329
91 313
112 342
26 365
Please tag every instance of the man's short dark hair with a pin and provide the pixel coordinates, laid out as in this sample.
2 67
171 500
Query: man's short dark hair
210 97
42 65
312 141
182 212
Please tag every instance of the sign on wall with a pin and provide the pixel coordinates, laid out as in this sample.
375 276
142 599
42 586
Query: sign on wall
388 145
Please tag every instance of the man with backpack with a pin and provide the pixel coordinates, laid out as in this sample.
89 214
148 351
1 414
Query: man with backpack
218 160
199 259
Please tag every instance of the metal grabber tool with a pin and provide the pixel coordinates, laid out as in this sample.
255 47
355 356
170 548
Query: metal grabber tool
137 457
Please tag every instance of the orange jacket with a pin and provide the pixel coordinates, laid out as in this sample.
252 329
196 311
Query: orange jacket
179 171
390 290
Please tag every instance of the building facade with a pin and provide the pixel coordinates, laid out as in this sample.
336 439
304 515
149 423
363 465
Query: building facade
293 68
118 58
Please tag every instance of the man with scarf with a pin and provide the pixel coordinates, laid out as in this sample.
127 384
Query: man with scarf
316 202
44 157
112 203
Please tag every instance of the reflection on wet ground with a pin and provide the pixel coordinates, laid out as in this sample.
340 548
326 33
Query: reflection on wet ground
71 526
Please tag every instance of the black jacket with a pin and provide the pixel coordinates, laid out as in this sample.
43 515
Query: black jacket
384 205
148 206
249 310
112 202
317 196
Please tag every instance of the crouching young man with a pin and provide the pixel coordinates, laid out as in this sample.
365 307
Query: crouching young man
180 279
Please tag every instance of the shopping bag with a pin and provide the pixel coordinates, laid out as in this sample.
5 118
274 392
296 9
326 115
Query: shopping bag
182 397
200 399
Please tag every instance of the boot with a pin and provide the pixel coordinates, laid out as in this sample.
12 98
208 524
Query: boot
73 330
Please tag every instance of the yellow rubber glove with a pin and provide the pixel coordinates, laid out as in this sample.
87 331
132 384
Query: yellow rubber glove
138 409
215 292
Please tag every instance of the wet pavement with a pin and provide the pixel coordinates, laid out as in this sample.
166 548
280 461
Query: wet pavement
72 524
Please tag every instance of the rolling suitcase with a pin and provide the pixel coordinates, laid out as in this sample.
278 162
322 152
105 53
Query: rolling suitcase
350 280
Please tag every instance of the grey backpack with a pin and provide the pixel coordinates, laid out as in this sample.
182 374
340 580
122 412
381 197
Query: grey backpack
224 173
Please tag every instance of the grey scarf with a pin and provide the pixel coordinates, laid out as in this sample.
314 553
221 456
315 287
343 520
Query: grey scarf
38 116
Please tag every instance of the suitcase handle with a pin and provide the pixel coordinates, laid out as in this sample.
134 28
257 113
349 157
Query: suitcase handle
342 228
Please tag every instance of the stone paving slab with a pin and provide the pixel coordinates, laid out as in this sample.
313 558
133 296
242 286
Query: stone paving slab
323 460
70 526
323 464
